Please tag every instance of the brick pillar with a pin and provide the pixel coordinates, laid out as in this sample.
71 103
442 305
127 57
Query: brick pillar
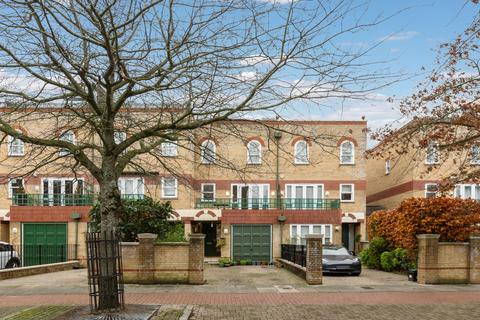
427 258
196 257
146 258
475 259
314 258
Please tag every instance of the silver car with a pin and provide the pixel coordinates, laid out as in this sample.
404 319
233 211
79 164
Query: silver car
9 258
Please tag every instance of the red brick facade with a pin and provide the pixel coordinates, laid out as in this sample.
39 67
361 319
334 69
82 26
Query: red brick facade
47 213
271 216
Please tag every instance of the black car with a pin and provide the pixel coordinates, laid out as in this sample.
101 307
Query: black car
338 260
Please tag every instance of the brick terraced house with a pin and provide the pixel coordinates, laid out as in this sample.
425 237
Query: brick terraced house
247 192
417 173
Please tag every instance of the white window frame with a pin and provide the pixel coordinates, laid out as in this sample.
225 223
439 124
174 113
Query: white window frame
62 151
297 160
426 189
119 136
263 189
169 149
353 152
11 147
50 197
138 185
298 227
163 188
353 192
388 167
10 190
249 159
202 152
459 191
292 203
214 191
432 144
475 161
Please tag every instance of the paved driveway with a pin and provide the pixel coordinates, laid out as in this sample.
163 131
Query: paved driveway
238 279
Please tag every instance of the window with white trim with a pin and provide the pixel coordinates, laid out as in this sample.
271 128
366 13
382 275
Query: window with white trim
467 191
431 190
387 167
119 137
169 187
16 147
250 196
67 136
131 187
254 152
169 149
347 153
475 154
301 152
433 153
347 192
299 232
208 152
208 191
15 186
304 196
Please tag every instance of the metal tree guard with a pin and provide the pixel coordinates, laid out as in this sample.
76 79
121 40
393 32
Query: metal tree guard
105 278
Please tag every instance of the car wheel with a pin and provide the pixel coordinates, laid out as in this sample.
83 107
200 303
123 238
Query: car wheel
13 263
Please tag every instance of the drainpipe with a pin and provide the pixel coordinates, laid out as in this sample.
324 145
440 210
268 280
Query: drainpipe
281 218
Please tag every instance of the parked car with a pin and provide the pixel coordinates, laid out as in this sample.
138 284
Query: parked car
338 260
9 258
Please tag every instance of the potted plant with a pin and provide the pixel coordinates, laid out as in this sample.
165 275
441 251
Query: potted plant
224 262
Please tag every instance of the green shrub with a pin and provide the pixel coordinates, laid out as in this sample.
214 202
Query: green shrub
176 233
138 216
371 256
394 260
224 262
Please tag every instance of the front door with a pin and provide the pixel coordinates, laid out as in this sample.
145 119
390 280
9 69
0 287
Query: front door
209 229
348 236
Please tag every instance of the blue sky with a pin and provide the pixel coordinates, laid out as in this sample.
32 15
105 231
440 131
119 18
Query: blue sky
414 35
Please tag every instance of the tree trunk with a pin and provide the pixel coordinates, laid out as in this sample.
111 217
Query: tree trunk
110 206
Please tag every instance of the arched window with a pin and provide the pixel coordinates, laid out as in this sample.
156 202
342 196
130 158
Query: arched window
208 152
16 147
347 153
475 154
67 136
254 152
433 153
301 152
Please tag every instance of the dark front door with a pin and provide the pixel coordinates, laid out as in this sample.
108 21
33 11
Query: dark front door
209 229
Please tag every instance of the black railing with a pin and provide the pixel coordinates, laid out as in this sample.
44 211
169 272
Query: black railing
295 253
269 203
63 199
14 256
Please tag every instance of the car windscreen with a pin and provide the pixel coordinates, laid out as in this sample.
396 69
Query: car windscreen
335 252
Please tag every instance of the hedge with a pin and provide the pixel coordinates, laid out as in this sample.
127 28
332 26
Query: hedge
452 218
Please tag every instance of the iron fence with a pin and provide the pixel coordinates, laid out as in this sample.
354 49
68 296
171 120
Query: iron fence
62 199
105 278
13 256
295 253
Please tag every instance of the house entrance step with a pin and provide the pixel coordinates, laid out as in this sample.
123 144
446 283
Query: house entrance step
211 260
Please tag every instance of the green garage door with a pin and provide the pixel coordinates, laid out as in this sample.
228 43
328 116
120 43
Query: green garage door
251 241
44 243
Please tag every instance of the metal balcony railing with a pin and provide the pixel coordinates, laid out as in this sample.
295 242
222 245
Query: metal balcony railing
269 203
62 199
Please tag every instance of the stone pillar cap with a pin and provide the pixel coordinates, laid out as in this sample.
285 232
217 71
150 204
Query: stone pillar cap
428 236
314 236
146 236
197 235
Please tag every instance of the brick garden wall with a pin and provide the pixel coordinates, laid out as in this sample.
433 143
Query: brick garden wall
448 262
147 262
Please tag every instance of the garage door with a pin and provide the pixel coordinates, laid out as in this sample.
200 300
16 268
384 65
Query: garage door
44 243
252 242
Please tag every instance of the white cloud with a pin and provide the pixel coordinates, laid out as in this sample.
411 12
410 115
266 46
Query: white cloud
255 60
400 36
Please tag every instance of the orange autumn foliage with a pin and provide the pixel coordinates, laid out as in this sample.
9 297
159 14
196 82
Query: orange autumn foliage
452 218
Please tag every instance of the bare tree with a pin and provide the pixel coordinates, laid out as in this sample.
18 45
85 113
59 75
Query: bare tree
444 113
160 69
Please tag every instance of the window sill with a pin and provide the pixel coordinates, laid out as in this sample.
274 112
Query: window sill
301 163
347 201
170 198
16 155
347 164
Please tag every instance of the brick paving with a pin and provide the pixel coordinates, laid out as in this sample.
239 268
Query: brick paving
339 312
317 298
